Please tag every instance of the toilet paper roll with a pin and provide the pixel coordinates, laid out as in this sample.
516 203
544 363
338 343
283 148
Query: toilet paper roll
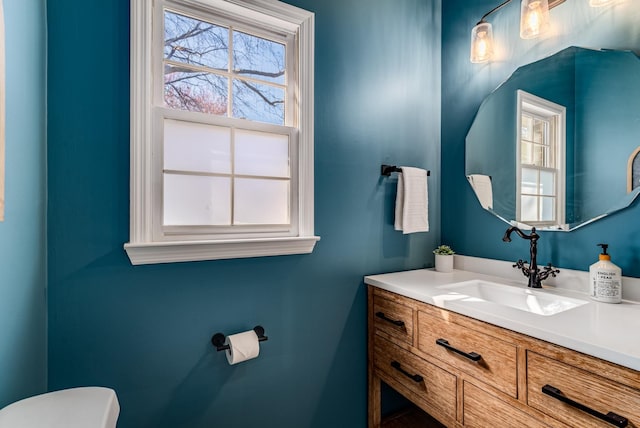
242 347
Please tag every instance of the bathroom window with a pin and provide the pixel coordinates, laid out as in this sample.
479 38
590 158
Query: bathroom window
540 155
222 130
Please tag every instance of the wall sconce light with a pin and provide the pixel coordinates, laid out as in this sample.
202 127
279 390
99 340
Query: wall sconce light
534 20
481 42
482 38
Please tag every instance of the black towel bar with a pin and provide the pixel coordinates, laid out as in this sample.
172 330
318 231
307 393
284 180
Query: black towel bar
386 170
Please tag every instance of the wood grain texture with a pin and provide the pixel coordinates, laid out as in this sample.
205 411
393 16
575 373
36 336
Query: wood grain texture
482 410
498 366
614 372
589 389
373 394
435 393
396 311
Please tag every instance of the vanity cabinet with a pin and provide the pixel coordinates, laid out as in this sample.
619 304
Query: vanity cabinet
468 373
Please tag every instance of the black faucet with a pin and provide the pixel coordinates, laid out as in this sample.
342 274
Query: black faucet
531 271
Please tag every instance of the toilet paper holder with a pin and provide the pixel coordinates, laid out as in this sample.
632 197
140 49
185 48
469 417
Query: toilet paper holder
218 339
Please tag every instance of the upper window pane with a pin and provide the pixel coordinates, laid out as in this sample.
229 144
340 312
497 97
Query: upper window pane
195 42
199 59
539 131
261 103
258 58
195 91
527 127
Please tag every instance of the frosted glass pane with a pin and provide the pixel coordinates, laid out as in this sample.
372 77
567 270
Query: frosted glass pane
259 153
261 201
529 208
547 183
529 181
192 146
548 209
196 200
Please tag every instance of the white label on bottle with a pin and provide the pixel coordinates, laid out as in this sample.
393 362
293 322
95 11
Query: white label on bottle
607 284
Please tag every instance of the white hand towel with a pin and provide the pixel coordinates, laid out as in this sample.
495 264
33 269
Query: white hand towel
483 188
412 201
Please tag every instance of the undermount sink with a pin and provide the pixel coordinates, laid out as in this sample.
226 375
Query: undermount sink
524 299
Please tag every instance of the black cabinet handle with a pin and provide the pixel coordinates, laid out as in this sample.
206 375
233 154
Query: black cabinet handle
414 377
392 321
610 417
471 355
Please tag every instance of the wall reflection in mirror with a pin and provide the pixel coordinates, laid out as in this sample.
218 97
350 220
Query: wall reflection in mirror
556 145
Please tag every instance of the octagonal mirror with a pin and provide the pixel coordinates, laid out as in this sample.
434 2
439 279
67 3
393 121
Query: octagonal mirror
556 145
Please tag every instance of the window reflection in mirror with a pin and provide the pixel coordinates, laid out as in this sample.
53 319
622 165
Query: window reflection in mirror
540 165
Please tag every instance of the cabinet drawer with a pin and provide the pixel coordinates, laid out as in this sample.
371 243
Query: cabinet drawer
393 318
484 357
582 388
428 386
482 410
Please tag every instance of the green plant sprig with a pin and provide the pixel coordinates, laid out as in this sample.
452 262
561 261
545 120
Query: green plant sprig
444 250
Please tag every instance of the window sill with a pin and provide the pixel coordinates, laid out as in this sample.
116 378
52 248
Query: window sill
191 251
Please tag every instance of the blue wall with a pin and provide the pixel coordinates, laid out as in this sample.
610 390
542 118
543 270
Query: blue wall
467 227
145 330
22 234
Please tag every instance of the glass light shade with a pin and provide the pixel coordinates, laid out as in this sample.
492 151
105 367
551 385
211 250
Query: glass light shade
599 3
534 18
481 43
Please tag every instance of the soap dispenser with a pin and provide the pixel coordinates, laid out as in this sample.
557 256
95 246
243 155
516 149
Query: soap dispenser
605 279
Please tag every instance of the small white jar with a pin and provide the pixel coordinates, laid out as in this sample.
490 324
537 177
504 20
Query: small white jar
444 263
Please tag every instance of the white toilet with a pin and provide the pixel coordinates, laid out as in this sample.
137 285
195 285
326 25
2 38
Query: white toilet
88 407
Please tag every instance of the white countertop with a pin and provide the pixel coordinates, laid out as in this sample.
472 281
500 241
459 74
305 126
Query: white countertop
607 331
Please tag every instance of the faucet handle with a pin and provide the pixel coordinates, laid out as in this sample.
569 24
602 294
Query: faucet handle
519 264
550 270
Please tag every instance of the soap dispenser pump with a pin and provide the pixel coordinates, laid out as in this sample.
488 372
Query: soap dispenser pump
605 279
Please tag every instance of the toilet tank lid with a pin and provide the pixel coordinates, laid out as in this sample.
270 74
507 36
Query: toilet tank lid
86 407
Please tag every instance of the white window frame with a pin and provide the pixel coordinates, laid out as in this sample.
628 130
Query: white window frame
145 244
555 115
